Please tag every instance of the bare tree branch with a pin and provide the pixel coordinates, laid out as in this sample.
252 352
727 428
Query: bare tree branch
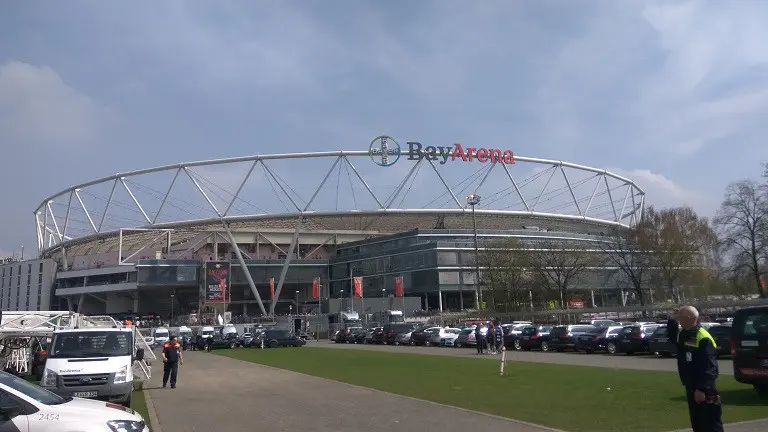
559 265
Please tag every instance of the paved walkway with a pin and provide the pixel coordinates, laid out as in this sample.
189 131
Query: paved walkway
619 361
219 394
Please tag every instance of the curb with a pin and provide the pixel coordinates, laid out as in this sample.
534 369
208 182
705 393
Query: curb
154 421
762 421
498 417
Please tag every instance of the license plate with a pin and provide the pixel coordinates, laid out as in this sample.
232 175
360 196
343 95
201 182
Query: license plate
87 394
526 337
584 338
663 340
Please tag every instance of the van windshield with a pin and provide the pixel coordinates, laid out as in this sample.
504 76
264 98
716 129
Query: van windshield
396 318
91 344
754 325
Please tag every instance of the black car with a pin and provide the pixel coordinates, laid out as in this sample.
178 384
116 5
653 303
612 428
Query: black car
562 338
420 336
722 336
749 348
350 334
533 337
219 341
635 339
592 340
392 330
281 338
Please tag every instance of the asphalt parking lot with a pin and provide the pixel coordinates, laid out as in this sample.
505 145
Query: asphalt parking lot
618 361
220 394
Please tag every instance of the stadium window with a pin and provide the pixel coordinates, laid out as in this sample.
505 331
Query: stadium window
40 278
41 268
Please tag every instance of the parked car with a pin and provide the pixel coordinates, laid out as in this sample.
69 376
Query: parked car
281 338
421 335
375 336
466 338
592 339
660 344
722 336
398 334
533 337
512 333
749 348
635 339
562 338
350 334
444 336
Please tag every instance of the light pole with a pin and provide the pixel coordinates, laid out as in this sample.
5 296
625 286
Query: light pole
383 302
171 322
473 200
297 302
341 300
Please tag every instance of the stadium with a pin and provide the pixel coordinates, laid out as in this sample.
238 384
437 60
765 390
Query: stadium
309 227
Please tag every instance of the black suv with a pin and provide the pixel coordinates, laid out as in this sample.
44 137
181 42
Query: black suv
749 348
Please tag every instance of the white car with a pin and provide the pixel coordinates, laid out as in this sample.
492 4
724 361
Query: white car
444 336
26 407
403 338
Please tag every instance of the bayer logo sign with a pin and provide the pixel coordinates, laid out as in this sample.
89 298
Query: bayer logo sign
384 151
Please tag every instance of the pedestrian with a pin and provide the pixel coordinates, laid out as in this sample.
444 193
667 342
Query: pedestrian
499 336
172 358
491 338
697 367
479 338
209 343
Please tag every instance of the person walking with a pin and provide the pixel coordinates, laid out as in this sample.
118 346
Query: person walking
499 336
479 338
172 358
698 369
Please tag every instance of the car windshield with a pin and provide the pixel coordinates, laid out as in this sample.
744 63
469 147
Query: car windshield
594 331
661 331
91 344
719 330
32 391
528 331
559 330
755 324
466 331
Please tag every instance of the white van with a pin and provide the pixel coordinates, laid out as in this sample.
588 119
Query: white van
185 331
92 363
29 408
162 335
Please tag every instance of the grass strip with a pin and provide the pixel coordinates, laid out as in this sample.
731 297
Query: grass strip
139 404
572 398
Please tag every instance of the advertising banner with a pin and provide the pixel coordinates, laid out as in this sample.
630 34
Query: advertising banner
316 288
272 289
358 285
217 281
398 286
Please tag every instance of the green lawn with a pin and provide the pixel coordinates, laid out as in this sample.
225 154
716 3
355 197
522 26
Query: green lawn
139 403
573 398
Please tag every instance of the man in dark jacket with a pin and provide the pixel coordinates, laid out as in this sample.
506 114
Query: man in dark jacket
698 369
479 338
172 358
499 336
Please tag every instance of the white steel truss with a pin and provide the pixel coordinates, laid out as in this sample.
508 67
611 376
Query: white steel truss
67 219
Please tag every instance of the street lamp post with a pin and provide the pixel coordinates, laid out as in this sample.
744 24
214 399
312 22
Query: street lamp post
171 322
383 301
473 200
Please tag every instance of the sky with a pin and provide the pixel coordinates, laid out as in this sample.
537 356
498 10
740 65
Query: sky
673 95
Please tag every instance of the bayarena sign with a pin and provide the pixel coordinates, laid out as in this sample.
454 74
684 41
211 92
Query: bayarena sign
385 151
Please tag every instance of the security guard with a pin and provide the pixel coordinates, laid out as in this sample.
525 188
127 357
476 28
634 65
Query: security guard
697 366
172 358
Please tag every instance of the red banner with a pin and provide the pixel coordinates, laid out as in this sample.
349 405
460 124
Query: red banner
358 283
398 286
272 288
316 288
762 281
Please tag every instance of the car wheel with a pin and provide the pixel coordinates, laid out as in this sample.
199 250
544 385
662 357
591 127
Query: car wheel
517 345
273 344
762 390
589 351
233 345
457 345
544 346
611 348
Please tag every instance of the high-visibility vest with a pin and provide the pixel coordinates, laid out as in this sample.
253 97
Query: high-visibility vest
701 334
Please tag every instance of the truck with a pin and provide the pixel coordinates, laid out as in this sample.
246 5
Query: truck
388 317
92 357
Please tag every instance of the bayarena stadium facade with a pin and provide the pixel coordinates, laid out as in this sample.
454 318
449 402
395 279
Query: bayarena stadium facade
275 233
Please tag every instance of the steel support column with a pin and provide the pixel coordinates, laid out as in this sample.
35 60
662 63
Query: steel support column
247 273
287 262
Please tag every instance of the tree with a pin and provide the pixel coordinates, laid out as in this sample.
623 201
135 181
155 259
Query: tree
742 223
679 241
624 250
559 265
504 274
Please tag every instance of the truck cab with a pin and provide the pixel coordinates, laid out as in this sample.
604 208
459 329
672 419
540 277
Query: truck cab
162 335
94 363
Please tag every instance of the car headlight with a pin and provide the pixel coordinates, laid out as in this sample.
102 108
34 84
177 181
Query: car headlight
49 378
125 426
121 375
